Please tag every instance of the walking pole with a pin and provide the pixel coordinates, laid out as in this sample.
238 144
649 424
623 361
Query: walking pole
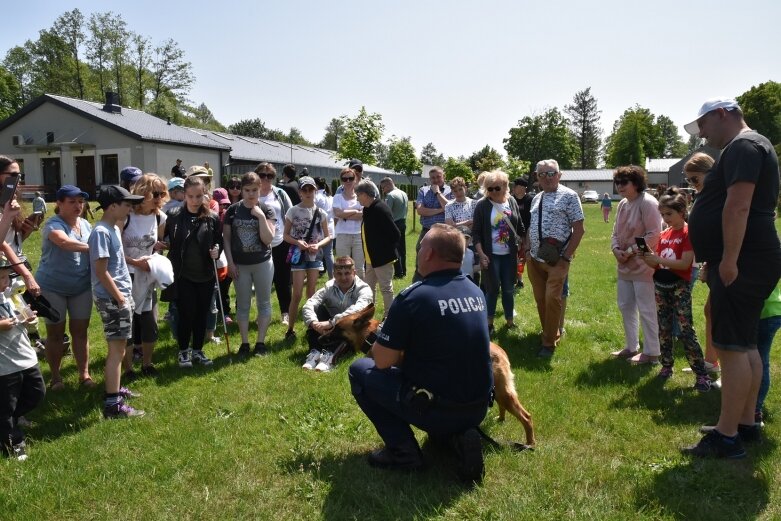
222 310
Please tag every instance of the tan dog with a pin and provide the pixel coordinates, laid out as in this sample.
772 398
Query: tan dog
354 329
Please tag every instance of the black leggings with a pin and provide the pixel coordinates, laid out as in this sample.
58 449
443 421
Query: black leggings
193 304
281 275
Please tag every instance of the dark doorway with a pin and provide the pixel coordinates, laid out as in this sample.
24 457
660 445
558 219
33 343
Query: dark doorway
51 173
85 174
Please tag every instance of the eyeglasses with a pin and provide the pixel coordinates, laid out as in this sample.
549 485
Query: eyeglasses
343 270
621 182
550 173
348 179
267 176
158 195
493 188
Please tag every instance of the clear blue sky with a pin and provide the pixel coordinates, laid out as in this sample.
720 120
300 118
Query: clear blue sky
455 73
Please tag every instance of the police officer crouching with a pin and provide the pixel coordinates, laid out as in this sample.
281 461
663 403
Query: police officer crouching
431 365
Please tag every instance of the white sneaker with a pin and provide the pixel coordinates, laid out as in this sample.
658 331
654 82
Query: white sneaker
326 362
214 340
311 359
285 319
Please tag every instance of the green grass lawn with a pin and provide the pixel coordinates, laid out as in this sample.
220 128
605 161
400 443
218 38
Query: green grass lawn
264 439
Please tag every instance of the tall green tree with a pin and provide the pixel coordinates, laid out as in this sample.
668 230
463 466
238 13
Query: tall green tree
297 138
202 117
761 106
693 144
52 65
516 168
170 71
430 156
10 94
584 125
333 133
458 167
362 135
544 136
485 160
249 127
673 143
140 59
402 157
635 137
70 27
18 63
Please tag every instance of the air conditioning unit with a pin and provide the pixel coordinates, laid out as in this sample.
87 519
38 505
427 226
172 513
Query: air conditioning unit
17 140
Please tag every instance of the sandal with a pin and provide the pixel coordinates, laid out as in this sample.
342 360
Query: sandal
624 353
87 383
643 359
57 385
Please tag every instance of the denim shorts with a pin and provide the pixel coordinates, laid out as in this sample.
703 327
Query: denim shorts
304 264
117 321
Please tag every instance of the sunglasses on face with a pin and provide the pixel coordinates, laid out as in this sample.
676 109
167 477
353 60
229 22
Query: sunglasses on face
348 179
158 195
694 180
493 188
267 176
234 186
343 270
550 173
621 182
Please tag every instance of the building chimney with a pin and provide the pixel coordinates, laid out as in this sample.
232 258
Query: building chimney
112 103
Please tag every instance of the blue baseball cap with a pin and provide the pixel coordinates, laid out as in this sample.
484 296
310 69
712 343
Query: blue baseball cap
130 174
175 182
70 191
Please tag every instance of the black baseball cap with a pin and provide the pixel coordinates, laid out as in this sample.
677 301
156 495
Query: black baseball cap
521 182
355 163
116 194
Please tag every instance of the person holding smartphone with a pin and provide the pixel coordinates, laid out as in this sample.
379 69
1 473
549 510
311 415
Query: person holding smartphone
637 215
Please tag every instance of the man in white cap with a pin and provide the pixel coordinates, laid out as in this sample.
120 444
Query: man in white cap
731 229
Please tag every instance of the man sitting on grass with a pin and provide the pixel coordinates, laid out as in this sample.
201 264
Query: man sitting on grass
341 296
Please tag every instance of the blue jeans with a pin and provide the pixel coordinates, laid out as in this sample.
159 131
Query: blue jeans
765 333
503 270
380 392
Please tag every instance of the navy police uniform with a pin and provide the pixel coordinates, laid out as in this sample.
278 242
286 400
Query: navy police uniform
444 384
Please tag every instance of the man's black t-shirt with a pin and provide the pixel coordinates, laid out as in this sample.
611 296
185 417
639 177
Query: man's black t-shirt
441 325
178 171
748 158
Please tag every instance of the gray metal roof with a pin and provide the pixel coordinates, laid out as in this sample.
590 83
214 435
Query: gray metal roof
256 150
603 174
143 125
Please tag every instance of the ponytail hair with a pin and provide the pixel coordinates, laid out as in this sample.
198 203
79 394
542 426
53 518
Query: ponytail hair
674 199
204 212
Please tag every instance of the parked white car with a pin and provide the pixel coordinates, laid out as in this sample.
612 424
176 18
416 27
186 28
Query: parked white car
590 196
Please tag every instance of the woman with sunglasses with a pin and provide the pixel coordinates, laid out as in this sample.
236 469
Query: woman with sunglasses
637 215
497 229
233 186
277 200
140 238
348 228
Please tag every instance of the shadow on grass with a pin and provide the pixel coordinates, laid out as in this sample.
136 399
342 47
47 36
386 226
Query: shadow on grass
358 491
671 403
522 351
711 489
612 371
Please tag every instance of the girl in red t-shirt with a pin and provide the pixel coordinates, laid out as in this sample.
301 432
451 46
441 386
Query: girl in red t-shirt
673 261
